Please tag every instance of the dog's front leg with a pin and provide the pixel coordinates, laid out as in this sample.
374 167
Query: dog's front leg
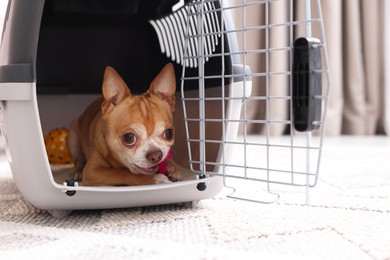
119 177
97 173
75 149
173 173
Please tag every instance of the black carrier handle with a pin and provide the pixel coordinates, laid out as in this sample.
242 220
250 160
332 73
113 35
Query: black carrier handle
306 84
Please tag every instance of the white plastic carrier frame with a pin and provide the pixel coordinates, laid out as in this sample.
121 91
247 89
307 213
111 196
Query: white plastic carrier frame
228 62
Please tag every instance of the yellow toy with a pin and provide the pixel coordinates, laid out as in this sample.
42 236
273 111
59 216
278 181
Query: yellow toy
56 148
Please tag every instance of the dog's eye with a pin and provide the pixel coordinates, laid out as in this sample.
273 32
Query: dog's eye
129 139
168 134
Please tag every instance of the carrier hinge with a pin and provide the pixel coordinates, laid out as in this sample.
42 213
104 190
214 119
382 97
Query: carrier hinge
70 183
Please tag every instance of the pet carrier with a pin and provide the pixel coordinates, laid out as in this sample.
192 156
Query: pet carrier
53 54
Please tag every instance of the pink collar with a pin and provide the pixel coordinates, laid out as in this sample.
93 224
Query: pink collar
162 166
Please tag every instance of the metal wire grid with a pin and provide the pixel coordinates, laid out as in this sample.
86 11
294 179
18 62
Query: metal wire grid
293 159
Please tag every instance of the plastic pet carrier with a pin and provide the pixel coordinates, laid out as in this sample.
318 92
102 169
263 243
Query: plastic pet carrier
53 55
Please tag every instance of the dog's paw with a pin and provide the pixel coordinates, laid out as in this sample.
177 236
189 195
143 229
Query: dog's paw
160 178
174 175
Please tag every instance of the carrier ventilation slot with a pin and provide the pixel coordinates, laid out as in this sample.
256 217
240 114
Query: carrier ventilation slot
175 29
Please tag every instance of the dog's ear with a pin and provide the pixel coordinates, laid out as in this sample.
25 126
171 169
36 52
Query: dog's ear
164 85
114 89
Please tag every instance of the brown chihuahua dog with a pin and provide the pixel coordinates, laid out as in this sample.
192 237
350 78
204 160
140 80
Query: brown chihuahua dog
121 139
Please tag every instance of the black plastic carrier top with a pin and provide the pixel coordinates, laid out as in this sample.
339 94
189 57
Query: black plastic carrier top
78 39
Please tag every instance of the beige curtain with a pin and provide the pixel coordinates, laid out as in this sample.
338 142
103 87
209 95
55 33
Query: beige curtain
355 38
362 66
386 67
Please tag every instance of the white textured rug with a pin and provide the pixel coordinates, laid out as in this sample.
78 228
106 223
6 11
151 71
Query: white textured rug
349 218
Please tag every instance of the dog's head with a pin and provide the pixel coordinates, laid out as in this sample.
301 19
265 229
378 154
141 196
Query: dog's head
139 129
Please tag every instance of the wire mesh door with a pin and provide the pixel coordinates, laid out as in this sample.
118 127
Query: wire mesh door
261 127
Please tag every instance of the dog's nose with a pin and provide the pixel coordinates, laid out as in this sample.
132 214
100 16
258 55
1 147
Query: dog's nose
154 156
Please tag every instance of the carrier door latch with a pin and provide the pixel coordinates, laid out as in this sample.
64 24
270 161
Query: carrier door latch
307 84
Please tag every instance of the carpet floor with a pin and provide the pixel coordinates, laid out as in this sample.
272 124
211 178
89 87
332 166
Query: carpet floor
348 218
